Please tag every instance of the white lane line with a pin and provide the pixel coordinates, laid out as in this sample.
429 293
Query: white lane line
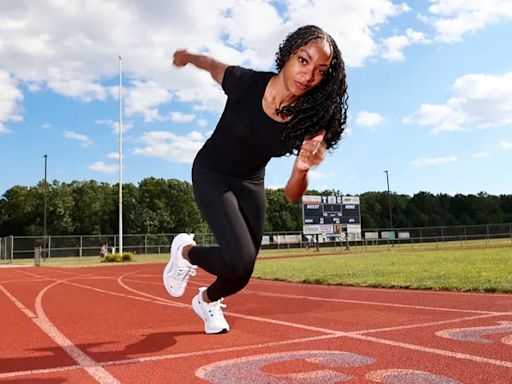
433 323
39 371
359 335
170 356
330 332
442 352
336 300
41 320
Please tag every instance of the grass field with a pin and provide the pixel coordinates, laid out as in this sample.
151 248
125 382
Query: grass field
484 269
478 266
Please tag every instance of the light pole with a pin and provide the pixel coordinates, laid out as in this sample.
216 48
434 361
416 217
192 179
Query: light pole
45 191
120 157
389 202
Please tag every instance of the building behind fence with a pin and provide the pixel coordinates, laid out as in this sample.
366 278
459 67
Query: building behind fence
19 247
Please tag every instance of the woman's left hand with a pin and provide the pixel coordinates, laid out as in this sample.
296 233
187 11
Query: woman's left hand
312 152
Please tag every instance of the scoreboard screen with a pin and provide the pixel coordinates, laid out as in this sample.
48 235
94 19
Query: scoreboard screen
329 214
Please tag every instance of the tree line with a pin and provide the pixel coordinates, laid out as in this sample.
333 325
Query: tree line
167 206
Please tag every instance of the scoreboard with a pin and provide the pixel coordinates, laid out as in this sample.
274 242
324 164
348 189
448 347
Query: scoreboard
331 214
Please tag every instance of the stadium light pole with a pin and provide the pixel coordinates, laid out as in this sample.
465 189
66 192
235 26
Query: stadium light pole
389 201
45 192
120 157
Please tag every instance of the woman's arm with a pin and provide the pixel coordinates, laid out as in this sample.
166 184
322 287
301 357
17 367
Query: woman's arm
182 57
312 153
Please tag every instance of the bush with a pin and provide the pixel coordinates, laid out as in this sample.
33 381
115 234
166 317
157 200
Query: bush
117 257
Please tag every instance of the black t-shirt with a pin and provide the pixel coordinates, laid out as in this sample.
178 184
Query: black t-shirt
245 138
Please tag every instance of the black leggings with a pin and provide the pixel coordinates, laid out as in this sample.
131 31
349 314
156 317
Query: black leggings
234 208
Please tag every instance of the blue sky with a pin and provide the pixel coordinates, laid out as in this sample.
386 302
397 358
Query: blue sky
430 85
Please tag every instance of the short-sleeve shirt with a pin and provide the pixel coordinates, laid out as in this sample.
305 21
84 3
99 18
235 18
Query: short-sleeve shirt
245 138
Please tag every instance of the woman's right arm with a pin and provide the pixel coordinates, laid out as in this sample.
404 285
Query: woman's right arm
182 57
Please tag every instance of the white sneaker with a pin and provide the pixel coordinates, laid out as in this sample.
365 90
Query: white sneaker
178 270
210 313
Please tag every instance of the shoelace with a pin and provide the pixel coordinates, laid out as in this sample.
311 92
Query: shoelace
216 308
185 271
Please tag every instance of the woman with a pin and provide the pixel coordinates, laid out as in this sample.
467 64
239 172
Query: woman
300 110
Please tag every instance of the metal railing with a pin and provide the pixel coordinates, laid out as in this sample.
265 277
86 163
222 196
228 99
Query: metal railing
22 247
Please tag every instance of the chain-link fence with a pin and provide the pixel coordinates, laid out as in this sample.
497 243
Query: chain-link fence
22 247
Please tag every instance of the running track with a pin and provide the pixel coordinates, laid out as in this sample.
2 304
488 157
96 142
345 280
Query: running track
116 324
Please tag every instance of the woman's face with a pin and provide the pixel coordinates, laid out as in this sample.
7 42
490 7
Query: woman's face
307 67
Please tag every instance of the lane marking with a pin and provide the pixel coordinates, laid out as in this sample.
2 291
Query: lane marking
100 374
170 356
336 300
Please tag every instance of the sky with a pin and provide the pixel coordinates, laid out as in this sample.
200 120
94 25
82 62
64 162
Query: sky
430 89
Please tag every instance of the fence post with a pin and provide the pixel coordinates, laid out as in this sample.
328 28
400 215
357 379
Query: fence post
37 256
80 250
49 247
12 248
146 244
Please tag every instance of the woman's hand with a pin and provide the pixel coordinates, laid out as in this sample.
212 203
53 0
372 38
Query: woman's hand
180 58
312 152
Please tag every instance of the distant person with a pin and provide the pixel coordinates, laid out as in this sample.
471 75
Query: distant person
301 110
103 251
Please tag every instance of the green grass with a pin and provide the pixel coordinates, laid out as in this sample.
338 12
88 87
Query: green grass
468 266
488 270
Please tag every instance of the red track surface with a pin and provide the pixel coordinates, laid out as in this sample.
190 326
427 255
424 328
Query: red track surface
118 325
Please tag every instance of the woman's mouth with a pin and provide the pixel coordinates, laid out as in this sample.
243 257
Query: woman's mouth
300 86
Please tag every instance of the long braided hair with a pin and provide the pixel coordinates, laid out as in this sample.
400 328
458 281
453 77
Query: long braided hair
323 107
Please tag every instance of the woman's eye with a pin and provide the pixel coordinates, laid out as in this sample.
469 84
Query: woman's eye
302 60
322 72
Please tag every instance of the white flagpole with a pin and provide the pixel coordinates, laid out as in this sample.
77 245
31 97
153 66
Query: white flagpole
120 158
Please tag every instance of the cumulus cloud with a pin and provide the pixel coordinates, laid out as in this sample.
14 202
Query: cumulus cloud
10 101
369 119
479 101
102 167
169 146
424 161
506 145
452 19
393 46
144 97
84 140
114 125
179 117
74 48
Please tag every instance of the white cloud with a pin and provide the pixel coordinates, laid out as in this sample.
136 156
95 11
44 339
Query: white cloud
202 123
100 166
480 155
10 100
506 145
46 125
84 140
369 119
394 45
144 97
113 155
170 147
114 125
75 46
179 117
452 19
479 101
434 161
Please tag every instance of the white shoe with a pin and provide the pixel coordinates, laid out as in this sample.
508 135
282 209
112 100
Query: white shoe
178 270
210 313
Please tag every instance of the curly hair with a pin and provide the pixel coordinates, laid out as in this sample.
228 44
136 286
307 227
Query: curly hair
323 107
